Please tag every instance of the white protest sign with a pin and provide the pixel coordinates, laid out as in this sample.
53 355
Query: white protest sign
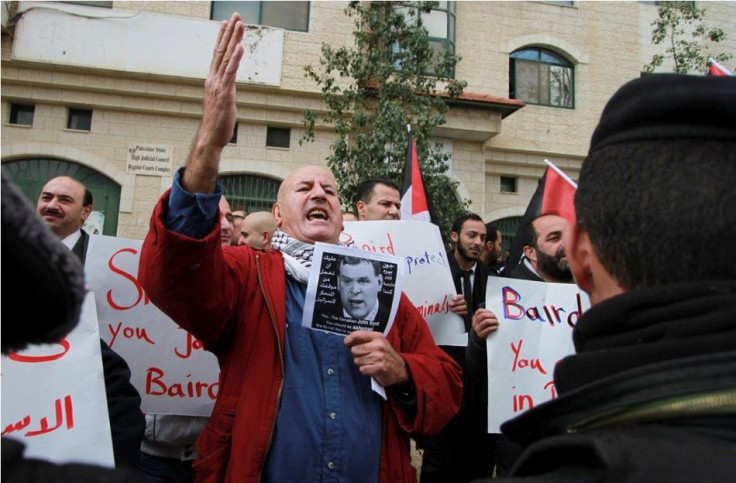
535 331
169 367
427 277
53 397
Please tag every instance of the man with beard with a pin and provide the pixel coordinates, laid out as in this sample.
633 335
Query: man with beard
492 254
461 451
544 256
543 260
648 394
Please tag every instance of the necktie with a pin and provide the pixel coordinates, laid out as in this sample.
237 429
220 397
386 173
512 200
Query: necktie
468 293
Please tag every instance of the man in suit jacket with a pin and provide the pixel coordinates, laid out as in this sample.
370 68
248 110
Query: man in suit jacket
64 204
461 451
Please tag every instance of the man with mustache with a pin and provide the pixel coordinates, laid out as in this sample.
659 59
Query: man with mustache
64 204
294 404
543 260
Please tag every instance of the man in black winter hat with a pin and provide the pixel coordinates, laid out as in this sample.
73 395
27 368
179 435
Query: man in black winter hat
650 394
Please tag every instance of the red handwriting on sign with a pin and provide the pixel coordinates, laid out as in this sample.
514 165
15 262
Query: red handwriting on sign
141 295
372 246
522 402
137 333
431 308
157 386
191 344
514 310
65 346
551 387
61 415
523 363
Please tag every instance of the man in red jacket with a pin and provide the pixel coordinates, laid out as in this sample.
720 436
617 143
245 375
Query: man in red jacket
294 404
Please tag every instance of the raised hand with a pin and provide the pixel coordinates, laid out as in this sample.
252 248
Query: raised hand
219 109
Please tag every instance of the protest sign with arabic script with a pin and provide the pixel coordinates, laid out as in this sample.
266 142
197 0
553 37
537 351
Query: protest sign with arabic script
53 397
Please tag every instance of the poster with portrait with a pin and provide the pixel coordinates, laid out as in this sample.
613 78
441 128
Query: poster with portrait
351 289
427 277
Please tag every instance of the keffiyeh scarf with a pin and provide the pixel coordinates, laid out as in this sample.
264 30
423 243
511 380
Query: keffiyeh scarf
297 255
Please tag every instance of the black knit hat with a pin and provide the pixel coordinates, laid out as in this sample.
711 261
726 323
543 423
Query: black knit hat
669 106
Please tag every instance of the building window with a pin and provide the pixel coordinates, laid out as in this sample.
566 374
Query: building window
508 184
91 4
250 192
540 76
440 25
285 15
79 119
31 174
278 137
22 114
234 139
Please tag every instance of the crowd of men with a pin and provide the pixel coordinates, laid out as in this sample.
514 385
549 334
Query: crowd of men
648 395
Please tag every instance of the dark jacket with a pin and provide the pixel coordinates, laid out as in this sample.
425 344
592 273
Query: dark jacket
522 272
463 450
650 394
479 285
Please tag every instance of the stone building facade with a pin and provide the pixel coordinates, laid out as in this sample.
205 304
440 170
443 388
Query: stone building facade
115 93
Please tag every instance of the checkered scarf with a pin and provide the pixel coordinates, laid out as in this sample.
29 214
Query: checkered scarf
297 255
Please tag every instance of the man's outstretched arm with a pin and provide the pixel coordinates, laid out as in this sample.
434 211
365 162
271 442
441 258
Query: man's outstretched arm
219 110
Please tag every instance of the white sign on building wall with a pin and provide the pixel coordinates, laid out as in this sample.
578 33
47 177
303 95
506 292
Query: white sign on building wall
150 159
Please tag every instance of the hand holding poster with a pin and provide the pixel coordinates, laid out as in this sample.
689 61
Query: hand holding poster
535 331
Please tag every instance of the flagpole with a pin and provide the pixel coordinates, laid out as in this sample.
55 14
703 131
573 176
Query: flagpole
559 171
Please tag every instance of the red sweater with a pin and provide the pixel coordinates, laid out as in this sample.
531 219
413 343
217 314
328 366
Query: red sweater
233 299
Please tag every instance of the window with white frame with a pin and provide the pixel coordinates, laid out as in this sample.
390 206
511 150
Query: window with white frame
440 25
285 15
540 76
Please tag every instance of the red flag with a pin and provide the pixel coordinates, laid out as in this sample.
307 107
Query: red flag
717 69
414 205
558 195
555 195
